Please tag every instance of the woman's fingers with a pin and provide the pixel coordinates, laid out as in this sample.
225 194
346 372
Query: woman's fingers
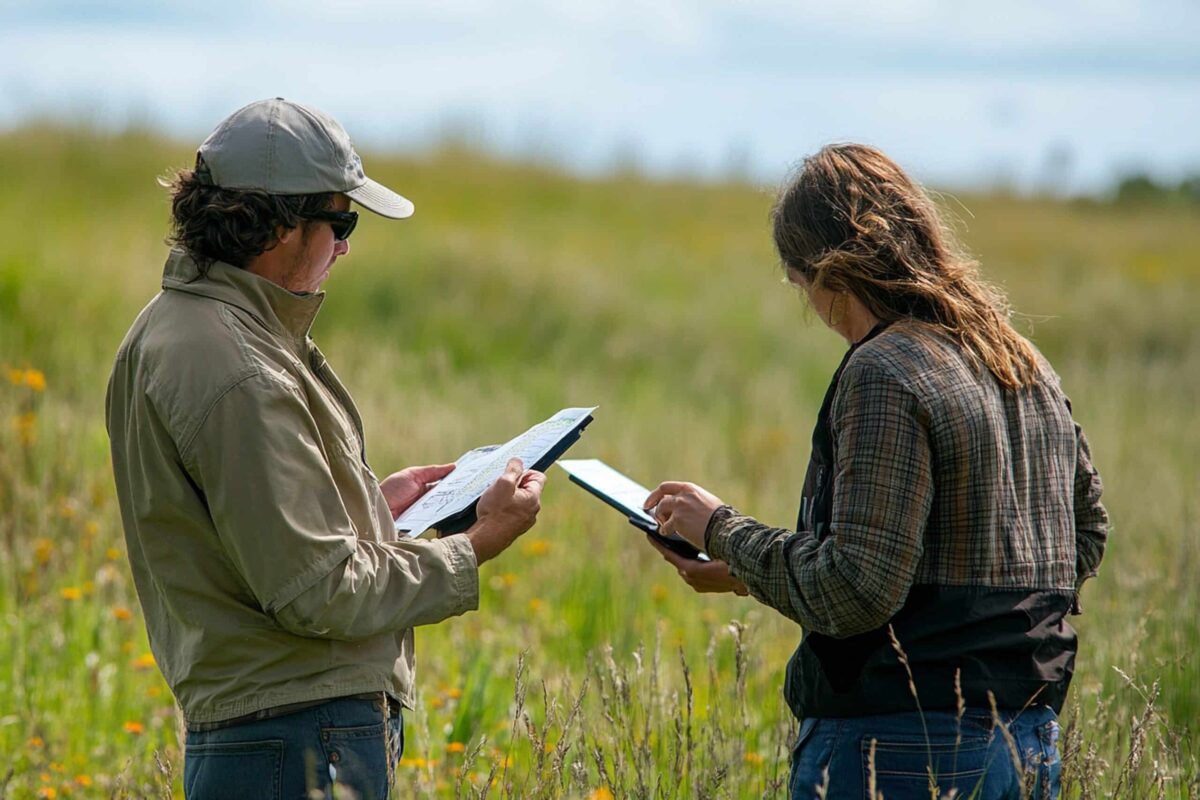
662 490
662 509
667 525
674 559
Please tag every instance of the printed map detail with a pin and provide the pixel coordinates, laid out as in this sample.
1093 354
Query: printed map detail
478 469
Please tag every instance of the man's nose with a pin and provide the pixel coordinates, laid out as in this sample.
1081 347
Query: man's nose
341 248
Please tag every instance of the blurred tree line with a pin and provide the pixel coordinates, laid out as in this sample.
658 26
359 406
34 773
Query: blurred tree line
1143 190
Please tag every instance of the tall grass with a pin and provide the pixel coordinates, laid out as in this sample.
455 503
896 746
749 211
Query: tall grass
590 670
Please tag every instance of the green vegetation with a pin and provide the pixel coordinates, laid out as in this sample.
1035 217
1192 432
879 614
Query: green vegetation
514 292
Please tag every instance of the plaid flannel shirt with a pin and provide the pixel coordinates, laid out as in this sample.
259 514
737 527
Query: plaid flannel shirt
940 477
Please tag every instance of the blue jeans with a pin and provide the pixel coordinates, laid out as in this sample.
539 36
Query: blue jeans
979 765
342 740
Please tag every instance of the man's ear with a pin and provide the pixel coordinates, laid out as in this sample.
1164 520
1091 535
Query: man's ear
284 235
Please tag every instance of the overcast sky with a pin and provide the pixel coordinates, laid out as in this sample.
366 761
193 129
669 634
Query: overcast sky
1066 95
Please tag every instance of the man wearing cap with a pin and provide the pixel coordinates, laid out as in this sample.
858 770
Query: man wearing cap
278 599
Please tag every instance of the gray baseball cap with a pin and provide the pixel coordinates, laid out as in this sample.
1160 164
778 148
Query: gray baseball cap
281 147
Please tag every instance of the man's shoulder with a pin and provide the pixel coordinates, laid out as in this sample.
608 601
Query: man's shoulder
184 352
180 334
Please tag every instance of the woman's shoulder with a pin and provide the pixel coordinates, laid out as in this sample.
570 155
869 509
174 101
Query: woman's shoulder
928 361
905 348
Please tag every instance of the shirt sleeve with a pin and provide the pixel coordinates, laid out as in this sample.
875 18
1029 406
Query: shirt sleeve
857 577
259 461
1091 518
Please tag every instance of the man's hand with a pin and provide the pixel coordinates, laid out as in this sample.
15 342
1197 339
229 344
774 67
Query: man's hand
507 509
682 508
703 576
403 488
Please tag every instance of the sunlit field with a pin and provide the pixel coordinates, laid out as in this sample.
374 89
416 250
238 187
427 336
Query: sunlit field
590 671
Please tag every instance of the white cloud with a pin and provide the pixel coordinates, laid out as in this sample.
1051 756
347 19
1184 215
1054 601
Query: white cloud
958 87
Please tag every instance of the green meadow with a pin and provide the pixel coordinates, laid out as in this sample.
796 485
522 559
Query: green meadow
591 670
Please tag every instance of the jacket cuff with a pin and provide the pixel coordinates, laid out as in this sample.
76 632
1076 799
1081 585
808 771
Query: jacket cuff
464 571
717 534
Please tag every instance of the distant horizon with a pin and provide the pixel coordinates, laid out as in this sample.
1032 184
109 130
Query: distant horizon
624 162
1061 100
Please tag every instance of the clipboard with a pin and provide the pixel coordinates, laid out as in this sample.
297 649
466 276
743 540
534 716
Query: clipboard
449 506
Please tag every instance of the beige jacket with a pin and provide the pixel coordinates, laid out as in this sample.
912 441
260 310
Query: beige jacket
262 548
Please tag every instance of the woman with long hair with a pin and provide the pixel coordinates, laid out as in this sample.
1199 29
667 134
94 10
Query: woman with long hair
950 510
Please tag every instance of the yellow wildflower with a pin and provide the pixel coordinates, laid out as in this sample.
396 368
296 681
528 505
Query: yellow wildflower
91 528
455 747
437 702
601 794
454 693
112 554
35 380
36 741
143 662
56 767
154 691
535 604
753 758
535 547
508 579
42 549
83 780
27 427
47 793
133 727
71 593
122 613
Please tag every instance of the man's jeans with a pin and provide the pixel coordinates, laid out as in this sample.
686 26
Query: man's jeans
345 740
979 765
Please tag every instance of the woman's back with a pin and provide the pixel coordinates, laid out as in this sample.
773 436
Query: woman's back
958 514
1003 464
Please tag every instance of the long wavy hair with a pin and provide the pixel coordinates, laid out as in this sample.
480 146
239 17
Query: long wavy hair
235 226
851 220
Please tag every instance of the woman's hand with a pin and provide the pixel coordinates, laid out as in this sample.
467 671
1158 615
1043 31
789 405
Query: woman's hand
402 489
682 508
702 576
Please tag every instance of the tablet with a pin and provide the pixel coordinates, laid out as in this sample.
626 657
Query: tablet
627 496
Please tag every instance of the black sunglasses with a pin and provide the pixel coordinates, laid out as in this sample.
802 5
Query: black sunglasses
342 222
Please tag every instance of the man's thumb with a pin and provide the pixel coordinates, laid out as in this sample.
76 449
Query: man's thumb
512 472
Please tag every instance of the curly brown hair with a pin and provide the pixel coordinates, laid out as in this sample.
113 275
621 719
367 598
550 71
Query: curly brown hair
234 226
851 220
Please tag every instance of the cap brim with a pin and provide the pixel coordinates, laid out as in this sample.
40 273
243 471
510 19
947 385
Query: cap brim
376 197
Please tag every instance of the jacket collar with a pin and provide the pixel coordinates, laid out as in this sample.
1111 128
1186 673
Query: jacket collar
284 312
